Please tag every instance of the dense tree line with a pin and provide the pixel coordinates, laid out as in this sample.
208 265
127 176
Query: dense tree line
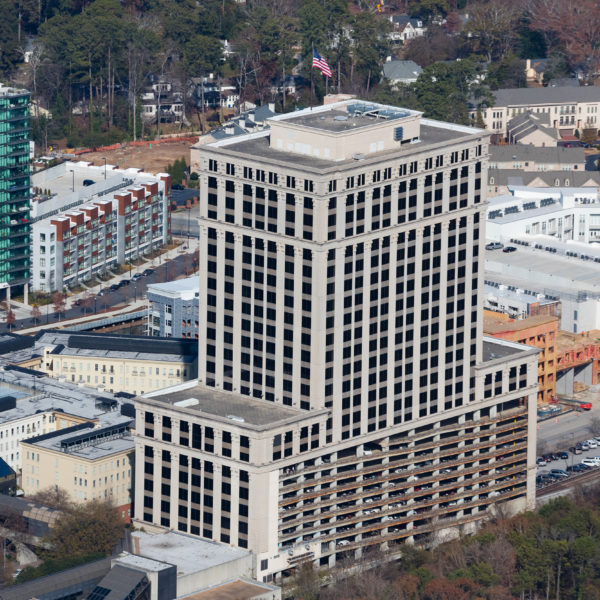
551 553
91 59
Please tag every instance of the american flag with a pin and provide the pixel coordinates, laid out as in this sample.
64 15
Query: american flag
321 64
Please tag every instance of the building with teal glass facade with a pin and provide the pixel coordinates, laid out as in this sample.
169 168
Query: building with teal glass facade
14 189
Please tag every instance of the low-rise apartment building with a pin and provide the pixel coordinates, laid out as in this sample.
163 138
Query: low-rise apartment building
531 158
117 363
86 461
87 219
539 332
173 308
35 405
567 108
501 181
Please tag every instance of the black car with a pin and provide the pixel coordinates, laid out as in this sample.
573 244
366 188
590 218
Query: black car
114 287
147 272
563 455
509 249
124 282
576 468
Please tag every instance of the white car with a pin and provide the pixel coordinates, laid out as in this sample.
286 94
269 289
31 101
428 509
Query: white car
592 443
590 462
343 543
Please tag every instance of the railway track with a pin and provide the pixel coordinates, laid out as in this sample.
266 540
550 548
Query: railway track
579 479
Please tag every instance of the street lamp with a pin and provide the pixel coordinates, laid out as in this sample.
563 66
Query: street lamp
73 185
104 159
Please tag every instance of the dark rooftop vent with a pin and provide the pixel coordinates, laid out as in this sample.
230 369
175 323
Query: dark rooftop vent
58 432
107 404
24 370
7 403
128 410
147 345
95 435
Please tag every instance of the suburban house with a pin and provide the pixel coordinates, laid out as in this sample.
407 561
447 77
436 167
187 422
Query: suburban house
531 128
289 85
407 28
162 99
567 108
531 158
250 121
401 72
212 94
535 69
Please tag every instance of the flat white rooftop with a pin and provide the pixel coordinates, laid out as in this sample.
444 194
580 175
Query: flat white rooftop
188 553
140 562
180 287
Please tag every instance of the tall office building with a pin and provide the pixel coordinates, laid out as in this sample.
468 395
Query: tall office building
346 396
14 188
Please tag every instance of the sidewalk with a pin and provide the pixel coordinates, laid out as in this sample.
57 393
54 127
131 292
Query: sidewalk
23 311
90 317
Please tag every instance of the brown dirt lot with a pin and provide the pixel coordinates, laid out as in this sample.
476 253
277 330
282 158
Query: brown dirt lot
153 158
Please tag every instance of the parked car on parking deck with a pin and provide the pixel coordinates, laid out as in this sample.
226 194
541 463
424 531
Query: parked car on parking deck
494 246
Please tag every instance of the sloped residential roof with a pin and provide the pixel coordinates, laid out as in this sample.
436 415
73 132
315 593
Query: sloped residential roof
404 19
539 65
523 152
527 123
546 95
564 82
401 70
504 177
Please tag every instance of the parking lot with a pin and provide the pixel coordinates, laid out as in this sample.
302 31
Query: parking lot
568 464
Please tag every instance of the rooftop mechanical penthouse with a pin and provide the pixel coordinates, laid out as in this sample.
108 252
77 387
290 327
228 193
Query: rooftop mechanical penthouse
341 279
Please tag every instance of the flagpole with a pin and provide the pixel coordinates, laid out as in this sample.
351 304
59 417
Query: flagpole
312 83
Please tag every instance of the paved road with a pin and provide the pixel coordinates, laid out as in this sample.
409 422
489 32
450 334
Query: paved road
182 219
167 271
565 431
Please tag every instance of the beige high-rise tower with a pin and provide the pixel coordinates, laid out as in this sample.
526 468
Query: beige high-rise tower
340 347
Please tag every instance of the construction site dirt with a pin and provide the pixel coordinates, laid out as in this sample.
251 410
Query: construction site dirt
152 157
